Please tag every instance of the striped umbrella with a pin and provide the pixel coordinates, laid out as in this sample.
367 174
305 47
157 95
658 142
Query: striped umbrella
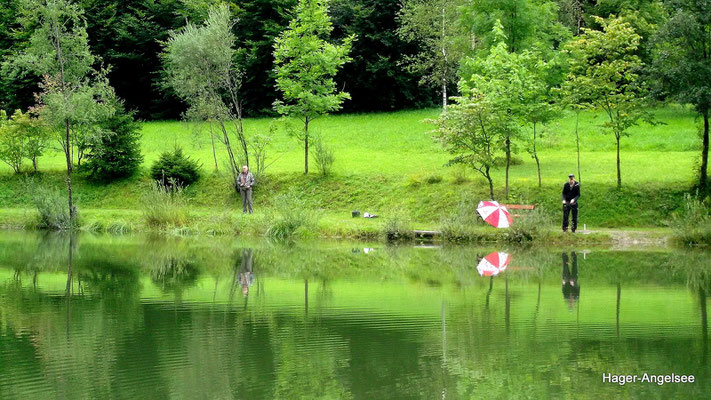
493 264
494 213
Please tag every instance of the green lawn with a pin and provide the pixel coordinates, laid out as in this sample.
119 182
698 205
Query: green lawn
398 144
388 160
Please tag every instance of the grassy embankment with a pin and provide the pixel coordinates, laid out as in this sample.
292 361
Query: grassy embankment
387 163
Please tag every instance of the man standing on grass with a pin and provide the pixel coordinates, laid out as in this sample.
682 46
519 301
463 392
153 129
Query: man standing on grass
246 181
571 193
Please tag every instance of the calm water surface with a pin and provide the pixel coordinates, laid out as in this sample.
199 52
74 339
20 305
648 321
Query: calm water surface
140 317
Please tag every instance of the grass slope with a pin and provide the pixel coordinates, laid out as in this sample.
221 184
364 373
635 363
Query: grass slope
388 161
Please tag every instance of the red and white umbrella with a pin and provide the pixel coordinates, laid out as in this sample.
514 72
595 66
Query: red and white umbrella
493 264
494 213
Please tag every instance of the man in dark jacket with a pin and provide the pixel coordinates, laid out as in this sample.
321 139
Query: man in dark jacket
571 193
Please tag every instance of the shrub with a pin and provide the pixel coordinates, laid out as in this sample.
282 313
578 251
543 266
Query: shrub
530 226
459 225
459 175
397 227
692 225
165 206
432 179
117 152
292 216
21 137
323 155
175 168
52 209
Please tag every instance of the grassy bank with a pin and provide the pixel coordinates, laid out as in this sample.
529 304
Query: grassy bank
387 164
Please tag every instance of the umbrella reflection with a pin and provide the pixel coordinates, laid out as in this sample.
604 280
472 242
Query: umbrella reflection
493 264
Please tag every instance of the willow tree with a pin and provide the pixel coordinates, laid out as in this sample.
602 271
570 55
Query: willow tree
305 66
199 66
73 97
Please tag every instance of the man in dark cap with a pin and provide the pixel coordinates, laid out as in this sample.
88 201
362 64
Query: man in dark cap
571 193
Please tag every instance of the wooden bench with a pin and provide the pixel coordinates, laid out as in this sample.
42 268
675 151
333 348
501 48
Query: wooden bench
528 207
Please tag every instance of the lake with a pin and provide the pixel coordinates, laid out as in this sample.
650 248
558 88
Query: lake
114 317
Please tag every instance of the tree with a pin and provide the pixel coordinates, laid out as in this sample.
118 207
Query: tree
604 74
58 50
540 105
434 24
526 23
305 66
471 130
505 79
21 137
199 67
117 152
127 35
682 64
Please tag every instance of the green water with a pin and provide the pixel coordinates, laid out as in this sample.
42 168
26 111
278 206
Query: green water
152 318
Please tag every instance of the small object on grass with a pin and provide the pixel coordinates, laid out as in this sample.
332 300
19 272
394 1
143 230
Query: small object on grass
355 213
369 215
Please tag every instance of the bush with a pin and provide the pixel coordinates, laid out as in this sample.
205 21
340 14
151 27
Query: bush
117 153
52 209
415 180
459 225
459 175
174 168
397 227
692 225
292 216
323 155
165 206
530 226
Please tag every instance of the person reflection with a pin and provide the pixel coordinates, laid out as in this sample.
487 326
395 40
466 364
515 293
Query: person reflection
571 288
246 275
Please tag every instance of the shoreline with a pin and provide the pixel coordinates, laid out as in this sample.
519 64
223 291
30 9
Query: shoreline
331 226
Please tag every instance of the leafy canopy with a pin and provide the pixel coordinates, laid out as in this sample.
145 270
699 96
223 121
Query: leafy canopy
605 74
306 63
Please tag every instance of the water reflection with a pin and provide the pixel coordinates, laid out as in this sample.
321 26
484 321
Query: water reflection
117 317
571 288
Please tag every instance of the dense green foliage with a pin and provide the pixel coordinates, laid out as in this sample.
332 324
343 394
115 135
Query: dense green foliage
306 63
117 152
682 62
175 168
22 137
605 72
199 67
126 35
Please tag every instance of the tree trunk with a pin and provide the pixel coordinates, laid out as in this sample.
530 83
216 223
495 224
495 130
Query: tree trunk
619 175
214 153
444 60
233 163
68 156
508 164
306 146
703 176
444 94
577 140
491 183
34 163
535 156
